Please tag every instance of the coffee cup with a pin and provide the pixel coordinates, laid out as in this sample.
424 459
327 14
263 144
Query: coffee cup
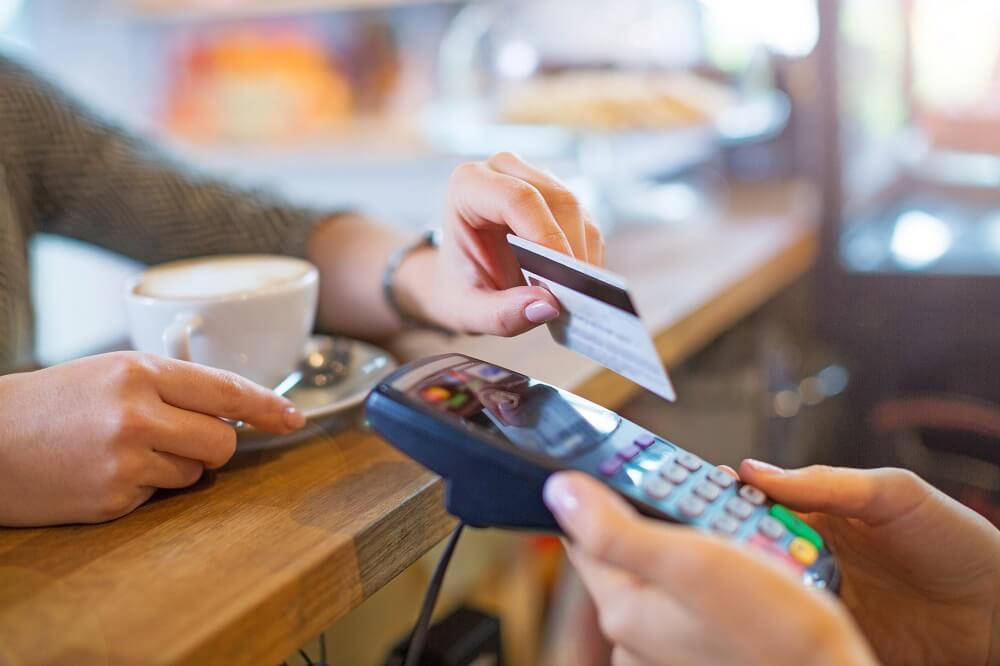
248 314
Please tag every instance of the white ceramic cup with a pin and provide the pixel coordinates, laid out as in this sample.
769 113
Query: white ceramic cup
249 314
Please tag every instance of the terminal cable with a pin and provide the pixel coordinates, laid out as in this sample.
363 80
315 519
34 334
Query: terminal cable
419 636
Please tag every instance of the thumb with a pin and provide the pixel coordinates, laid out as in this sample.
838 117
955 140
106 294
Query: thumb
873 496
602 525
604 528
509 312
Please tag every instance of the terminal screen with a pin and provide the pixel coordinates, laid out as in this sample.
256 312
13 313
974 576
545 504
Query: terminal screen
529 414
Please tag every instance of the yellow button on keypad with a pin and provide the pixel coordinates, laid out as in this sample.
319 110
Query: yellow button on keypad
804 552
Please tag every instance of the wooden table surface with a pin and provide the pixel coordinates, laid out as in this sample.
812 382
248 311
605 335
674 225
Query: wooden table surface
263 555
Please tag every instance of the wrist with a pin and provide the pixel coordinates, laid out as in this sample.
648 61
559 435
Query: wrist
412 286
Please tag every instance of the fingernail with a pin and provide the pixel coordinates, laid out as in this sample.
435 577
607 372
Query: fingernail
540 312
560 496
294 419
763 468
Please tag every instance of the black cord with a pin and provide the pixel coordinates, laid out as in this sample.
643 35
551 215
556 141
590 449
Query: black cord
305 657
419 636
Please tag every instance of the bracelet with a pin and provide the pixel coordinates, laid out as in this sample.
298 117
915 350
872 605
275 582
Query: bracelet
430 239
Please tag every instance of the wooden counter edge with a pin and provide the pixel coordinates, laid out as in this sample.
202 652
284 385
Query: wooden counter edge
315 600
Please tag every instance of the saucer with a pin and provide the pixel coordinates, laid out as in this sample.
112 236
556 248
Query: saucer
329 408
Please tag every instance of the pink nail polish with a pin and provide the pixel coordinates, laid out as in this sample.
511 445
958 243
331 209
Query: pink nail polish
763 467
294 419
560 497
540 312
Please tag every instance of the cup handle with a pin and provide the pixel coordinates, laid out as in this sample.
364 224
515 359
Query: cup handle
177 337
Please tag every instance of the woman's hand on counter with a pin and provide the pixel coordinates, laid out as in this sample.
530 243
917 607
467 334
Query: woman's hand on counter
473 283
671 595
90 440
921 572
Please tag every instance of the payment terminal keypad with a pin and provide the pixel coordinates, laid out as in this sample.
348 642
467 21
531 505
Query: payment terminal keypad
684 486
507 432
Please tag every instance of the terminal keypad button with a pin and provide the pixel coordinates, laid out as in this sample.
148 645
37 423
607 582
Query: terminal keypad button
611 466
691 506
771 528
797 526
753 495
689 461
708 491
739 508
674 474
644 441
721 478
726 525
656 486
765 544
629 452
804 552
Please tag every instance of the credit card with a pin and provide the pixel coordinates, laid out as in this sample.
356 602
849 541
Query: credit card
599 318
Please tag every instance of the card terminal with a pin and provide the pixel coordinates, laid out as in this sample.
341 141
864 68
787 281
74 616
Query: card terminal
496 435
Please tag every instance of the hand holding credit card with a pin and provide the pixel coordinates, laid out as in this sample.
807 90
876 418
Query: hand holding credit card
599 318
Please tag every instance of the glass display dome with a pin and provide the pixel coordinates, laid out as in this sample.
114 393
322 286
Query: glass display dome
629 92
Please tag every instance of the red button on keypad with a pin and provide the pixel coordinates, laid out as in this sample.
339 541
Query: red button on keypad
765 544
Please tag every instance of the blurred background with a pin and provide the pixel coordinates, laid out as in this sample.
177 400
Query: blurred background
336 102
887 112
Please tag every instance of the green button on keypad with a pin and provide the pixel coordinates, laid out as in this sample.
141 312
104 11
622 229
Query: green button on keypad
797 526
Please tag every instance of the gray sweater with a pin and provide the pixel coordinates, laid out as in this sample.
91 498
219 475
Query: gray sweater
65 171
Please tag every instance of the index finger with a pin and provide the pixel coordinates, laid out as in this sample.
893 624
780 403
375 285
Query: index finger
874 496
213 392
601 525
563 205
487 199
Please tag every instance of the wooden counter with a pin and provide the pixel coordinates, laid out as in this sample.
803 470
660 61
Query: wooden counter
262 556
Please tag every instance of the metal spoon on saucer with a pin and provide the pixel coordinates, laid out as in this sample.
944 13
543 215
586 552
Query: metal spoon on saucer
327 361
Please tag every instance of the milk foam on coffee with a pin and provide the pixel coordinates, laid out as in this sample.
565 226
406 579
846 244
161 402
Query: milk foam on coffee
217 278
